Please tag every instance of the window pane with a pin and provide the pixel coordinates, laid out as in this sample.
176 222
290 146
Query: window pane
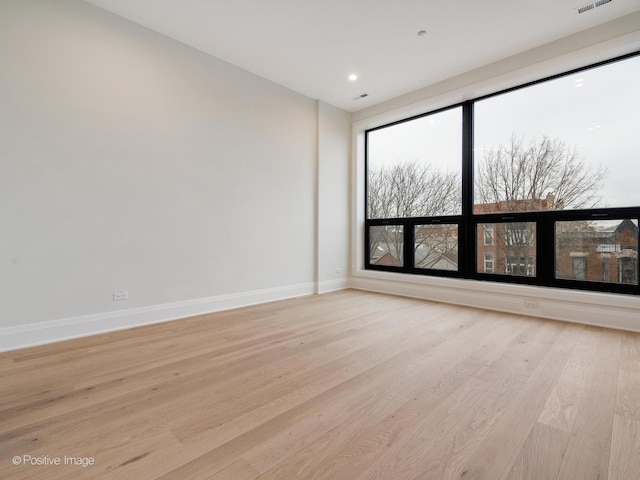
601 251
436 247
488 235
414 168
512 250
488 264
563 144
386 244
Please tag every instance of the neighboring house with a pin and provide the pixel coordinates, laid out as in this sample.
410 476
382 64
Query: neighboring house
590 252
599 251
436 246
388 260
509 247
386 245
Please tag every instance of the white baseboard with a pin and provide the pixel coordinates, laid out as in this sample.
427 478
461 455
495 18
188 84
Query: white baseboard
21 336
621 312
332 285
606 310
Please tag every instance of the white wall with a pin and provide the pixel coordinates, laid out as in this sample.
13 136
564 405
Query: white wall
129 161
600 43
334 148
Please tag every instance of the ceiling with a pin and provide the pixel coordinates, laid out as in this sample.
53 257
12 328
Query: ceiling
312 46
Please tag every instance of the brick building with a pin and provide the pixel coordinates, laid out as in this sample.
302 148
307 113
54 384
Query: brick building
599 251
509 247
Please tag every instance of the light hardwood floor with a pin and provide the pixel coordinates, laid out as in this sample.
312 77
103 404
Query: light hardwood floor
349 385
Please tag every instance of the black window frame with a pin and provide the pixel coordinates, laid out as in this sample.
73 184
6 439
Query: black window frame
468 222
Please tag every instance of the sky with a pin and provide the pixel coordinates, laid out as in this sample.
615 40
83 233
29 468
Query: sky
597 111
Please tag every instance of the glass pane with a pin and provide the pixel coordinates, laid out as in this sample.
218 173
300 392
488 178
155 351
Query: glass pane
601 251
436 247
414 168
386 243
507 248
563 144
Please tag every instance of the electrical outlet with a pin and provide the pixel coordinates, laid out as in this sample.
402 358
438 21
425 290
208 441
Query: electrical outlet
120 296
528 303
338 270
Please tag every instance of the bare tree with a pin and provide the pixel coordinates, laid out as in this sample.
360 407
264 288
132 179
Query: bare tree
413 189
543 174
518 175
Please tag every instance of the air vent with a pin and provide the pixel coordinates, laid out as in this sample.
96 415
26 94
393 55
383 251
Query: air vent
591 6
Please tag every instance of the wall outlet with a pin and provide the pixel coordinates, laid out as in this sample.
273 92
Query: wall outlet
529 303
120 296
338 270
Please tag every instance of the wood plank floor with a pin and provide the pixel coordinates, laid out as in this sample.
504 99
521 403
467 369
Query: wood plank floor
349 385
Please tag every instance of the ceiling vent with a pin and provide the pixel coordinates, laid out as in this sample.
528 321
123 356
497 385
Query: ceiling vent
591 6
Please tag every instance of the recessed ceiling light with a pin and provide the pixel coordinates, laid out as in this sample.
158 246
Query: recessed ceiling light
353 77
422 33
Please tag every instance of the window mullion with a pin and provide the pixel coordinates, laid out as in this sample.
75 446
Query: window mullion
467 247
409 244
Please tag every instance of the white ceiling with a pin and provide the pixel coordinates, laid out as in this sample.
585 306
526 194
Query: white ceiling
311 46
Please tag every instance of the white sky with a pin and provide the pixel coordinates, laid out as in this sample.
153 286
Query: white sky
436 138
596 110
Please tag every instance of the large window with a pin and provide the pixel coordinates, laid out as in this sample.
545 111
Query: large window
532 185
